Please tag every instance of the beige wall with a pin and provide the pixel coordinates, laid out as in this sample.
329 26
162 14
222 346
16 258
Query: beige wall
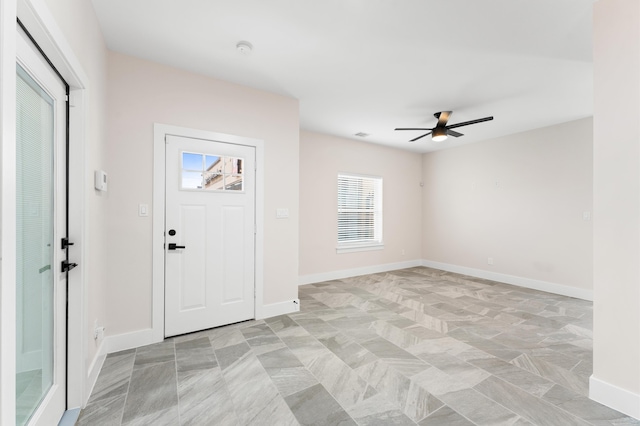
616 348
518 199
142 93
321 158
77 20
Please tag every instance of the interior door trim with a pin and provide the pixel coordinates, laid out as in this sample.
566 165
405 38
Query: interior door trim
158 215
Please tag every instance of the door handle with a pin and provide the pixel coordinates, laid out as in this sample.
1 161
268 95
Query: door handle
67 266
173 246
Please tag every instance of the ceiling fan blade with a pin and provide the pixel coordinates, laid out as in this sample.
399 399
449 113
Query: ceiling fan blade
411 128
466 123
454 133
420 137
442 117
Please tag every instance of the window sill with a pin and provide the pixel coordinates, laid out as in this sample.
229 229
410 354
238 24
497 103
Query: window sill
359 247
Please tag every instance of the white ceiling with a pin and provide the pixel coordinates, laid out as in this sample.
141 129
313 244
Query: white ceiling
373 65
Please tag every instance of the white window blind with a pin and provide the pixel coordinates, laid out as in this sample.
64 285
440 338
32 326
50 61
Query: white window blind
359 211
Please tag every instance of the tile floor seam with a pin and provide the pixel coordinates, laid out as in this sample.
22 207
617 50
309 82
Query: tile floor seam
175 357
445 406
542 400
496 402
124 405
224 380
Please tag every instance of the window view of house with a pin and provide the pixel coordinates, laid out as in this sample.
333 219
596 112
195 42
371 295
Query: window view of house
211 172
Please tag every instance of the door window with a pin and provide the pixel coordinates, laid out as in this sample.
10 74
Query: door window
35 243
211 172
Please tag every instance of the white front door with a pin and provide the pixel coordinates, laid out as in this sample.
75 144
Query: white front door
209 234
40 226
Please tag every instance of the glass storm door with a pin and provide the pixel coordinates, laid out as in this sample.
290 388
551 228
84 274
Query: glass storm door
40 283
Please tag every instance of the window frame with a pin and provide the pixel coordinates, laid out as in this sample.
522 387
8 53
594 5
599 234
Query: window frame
365 244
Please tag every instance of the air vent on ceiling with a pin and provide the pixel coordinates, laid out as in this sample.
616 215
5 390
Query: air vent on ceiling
362 134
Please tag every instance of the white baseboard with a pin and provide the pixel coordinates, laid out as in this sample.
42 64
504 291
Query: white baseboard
614 397
347 273
280 308
134 339
564 290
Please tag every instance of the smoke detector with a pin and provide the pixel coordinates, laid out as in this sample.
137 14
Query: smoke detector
244 47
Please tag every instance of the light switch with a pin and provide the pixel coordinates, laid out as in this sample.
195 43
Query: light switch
282 213
143 210
586 215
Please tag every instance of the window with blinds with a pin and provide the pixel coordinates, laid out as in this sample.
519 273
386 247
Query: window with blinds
359 212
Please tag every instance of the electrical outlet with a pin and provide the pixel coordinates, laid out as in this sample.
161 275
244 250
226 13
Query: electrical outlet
402 252
490 261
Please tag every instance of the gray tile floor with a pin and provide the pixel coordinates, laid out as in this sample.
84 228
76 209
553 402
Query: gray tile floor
415 346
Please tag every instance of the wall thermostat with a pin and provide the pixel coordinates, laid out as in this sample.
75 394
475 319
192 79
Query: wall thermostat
100 178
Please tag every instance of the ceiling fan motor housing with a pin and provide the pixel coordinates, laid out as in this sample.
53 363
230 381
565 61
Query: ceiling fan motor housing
439 134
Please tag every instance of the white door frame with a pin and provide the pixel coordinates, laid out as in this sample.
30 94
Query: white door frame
35 15
159 162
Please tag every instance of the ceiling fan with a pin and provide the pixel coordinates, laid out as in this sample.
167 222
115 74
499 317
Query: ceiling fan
441 131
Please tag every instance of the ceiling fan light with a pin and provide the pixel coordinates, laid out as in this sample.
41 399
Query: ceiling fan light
439 135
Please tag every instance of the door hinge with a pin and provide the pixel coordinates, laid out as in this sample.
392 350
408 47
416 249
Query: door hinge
72 98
